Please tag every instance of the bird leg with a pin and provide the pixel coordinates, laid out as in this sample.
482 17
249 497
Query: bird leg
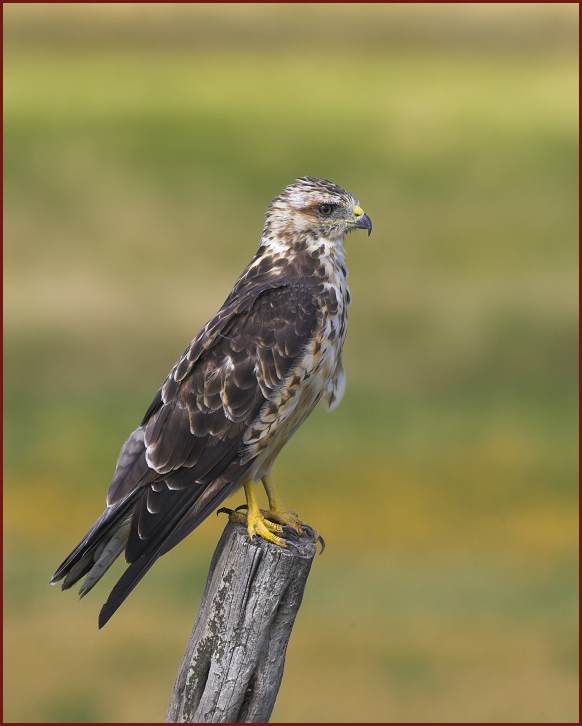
277 510
274 524
279 513
254 519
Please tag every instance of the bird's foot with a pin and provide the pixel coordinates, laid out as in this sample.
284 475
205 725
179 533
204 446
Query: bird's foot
274 525
256 523
287 518
279 513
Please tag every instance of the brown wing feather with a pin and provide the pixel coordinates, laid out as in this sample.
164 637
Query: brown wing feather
189 452
197 424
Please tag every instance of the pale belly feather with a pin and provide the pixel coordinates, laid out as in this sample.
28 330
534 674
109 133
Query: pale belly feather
317 374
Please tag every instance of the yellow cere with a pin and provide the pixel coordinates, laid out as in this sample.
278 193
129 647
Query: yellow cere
358 211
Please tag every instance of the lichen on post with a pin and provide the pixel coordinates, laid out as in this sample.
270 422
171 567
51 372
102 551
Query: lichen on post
233 664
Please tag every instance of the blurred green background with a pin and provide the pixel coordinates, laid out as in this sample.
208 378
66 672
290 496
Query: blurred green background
143 143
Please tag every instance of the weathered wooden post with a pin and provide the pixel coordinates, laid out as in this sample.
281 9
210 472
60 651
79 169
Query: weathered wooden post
233 664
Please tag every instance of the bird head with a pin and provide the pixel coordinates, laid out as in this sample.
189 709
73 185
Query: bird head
316 209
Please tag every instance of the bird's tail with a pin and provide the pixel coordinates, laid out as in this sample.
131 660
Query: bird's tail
98 549
117 529
193 516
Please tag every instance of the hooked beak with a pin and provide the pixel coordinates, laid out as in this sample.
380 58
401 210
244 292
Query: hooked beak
362 220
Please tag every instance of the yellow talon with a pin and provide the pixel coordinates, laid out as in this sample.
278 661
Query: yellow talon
269 524
281 514
255 521
277 509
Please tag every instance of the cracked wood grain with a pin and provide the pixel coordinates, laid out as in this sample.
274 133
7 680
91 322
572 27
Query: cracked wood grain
233 664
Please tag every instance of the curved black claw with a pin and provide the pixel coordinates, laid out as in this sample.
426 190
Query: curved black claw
290 543
241 506
315 536
289 533
224 510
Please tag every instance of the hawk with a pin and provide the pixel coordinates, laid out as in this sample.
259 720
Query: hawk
235 397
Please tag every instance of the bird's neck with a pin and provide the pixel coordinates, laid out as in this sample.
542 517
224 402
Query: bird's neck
306 257
316 247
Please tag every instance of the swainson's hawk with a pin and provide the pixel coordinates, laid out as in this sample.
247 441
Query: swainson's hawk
237 394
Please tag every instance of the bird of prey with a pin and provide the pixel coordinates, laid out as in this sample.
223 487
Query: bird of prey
235 397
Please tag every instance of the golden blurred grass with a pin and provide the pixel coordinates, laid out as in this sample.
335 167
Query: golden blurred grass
136 176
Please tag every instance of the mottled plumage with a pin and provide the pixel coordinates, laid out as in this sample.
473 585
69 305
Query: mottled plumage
236 395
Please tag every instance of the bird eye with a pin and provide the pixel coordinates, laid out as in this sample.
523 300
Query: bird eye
325 209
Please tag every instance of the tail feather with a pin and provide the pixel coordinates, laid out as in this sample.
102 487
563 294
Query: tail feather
138 569
102 544
125 585
184 510
106 555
